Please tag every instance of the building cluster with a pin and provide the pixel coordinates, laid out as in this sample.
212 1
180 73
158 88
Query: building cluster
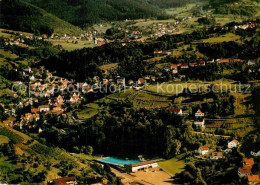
246 171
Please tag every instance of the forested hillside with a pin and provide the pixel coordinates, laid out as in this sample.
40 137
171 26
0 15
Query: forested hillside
22 16
170 3
85 12
243 8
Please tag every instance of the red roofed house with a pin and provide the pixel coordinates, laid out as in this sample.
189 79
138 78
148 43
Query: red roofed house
203 150
223 61
193 64
9 122
174 68
141 81
253 179
176 111
244 171
35 110
232 144
65 181
158 52
216 155
248 162
202 63
59 99
101 43
236 60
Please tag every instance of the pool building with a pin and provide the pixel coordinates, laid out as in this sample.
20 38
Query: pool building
141 166
129 165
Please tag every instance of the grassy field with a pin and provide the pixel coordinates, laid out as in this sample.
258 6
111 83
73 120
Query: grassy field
172 166
87 112
4 139
223 38
111 66
85 157
68 45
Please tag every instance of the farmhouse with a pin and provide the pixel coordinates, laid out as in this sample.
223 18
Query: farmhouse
141 166
203 150
232 144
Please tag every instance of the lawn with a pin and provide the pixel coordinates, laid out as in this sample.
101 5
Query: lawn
172 166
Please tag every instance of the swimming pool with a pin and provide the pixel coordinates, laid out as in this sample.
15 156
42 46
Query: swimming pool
119 162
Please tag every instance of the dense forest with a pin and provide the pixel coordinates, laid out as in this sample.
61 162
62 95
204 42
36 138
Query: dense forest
123 130
86 12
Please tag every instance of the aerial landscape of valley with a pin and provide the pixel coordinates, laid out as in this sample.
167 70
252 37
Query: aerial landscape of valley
129 92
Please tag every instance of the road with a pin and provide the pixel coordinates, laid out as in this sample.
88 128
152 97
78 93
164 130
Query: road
127 178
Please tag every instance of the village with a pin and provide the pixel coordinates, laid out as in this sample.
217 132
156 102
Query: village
41 95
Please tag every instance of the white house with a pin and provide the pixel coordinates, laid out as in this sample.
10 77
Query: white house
199 113
200 123
44 108
141 166
203 150
32 78
233 144
256 154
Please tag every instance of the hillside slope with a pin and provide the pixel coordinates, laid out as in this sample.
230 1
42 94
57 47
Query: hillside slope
25 160
86 12
22 16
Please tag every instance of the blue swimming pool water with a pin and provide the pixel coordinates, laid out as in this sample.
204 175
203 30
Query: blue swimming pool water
120 162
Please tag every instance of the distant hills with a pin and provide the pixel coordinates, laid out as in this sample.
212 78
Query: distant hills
23 16
86 12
